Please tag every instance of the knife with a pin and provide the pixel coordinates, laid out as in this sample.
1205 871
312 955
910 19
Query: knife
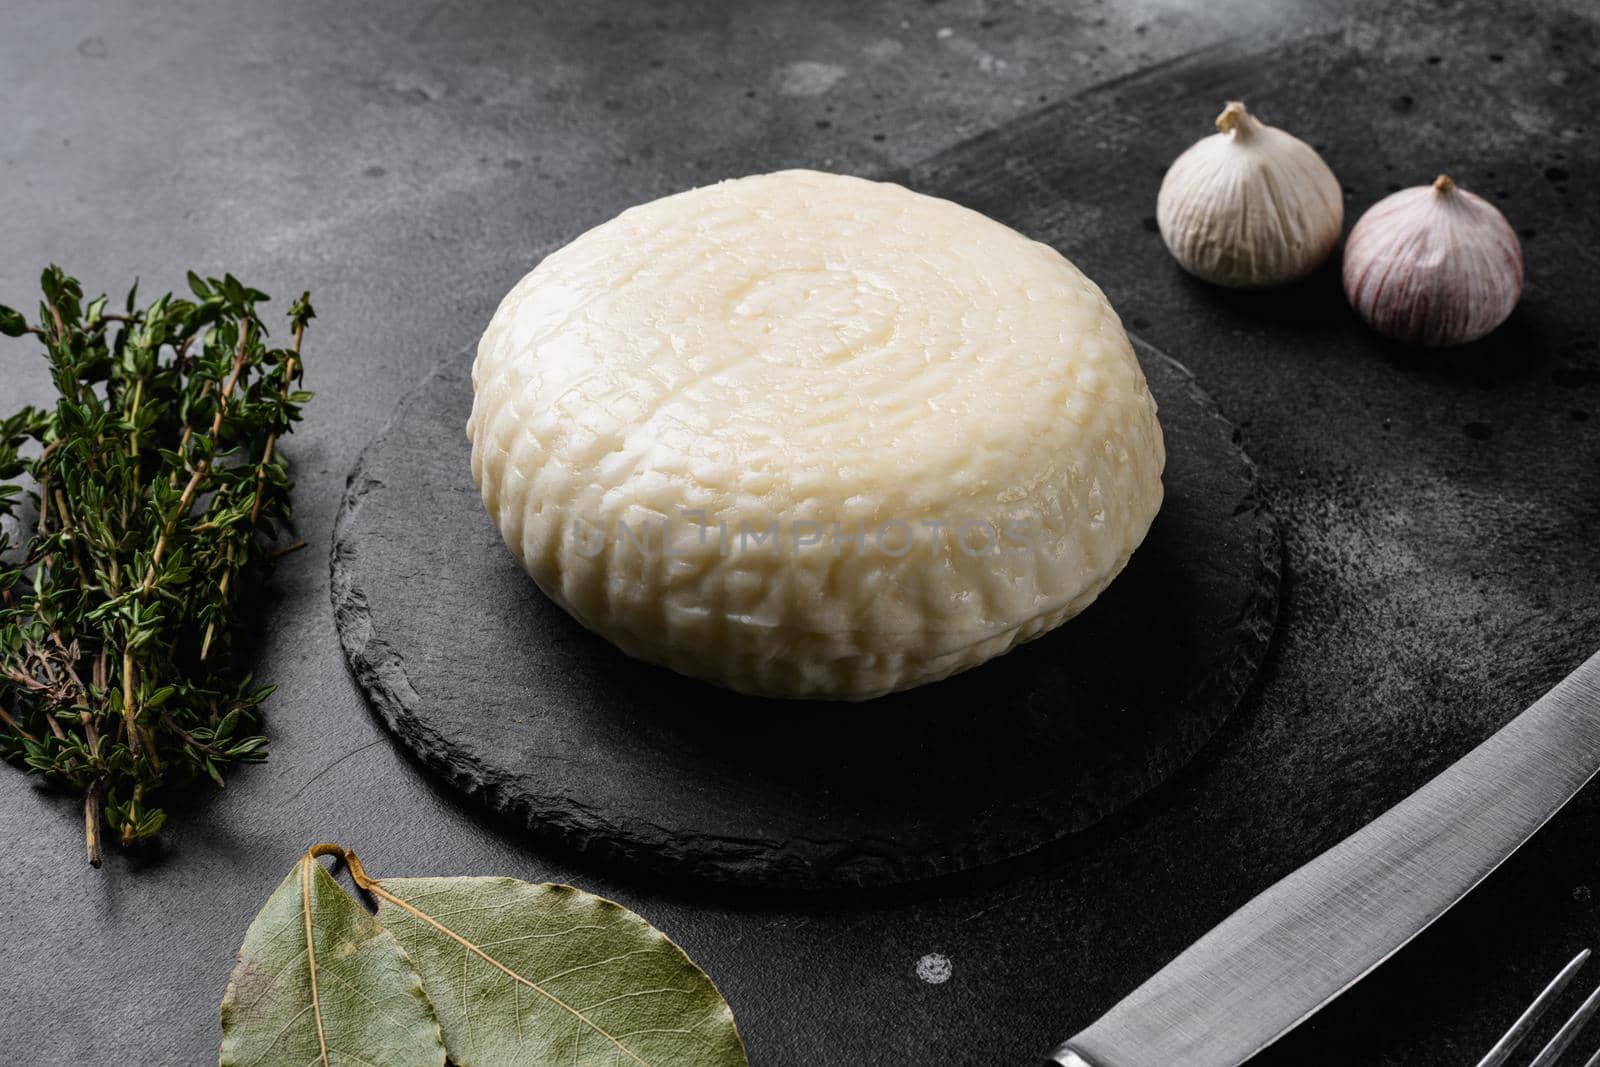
1273 963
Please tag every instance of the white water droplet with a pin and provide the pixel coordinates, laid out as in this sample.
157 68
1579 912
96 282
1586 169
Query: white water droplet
934 968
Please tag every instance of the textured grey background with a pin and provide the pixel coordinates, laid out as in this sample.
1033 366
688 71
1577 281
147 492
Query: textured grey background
408 163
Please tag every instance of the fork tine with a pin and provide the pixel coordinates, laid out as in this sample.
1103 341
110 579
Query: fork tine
1519 1030
1568 1031
1594 1061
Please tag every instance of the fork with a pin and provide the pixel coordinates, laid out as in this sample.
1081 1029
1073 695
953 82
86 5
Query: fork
1564 1037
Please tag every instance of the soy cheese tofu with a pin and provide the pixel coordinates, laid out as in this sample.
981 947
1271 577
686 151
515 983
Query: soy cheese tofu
805 435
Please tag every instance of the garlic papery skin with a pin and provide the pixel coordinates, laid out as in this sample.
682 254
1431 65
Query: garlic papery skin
1433 265
1250 206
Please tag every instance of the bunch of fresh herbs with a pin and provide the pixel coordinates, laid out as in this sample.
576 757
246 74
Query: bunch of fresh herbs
144 503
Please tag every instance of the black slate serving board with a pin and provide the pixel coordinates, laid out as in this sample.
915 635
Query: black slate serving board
498 691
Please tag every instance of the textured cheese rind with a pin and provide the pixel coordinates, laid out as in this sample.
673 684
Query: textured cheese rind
806 346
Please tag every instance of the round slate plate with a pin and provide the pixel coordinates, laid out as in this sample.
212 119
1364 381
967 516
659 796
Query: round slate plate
499 692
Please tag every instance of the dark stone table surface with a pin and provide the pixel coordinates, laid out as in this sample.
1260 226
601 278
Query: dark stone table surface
408 162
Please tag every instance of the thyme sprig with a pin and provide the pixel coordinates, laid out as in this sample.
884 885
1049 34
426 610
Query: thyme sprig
157 495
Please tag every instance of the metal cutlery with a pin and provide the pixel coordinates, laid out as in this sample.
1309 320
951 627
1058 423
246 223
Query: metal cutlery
1308 938
1552 1051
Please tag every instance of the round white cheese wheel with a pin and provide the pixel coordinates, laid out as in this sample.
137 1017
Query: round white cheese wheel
806 435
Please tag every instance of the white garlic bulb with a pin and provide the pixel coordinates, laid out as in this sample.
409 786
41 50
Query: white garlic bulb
1250 206
1433 265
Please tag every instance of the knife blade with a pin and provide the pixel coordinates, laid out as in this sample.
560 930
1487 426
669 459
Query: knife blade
1303 941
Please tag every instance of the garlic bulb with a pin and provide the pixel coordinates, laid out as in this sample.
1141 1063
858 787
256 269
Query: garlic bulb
1250 206
1433 265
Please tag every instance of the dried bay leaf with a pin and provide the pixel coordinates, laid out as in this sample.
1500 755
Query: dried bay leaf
320 982
547 974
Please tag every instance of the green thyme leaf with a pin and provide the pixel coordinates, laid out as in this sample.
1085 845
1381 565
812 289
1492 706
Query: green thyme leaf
12 324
